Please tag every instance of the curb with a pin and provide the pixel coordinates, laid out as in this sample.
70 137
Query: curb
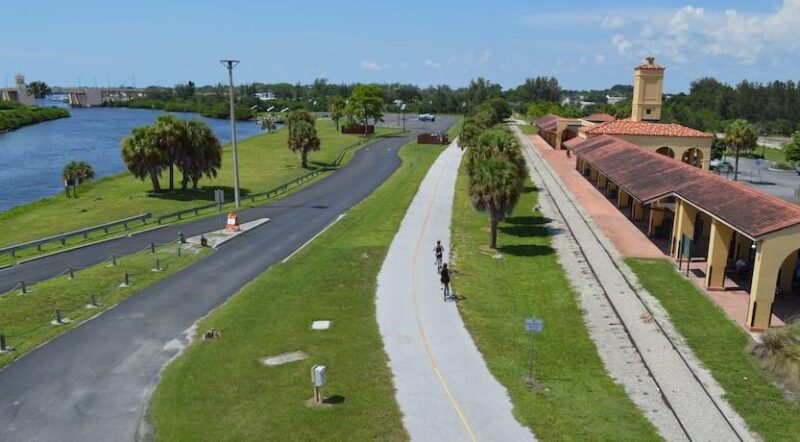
255 224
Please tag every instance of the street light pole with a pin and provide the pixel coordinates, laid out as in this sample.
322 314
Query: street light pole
230 64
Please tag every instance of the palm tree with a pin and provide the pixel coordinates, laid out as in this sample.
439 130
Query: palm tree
470 131
303 138
141 156
336 109
495 187
203 156
38 89
740 135
267 122
492 143
76 172
169 136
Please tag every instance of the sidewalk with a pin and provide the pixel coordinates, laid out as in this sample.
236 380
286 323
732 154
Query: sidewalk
444 388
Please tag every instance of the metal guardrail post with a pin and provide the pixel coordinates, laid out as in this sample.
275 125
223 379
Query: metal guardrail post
58 316
126 280
2 342
24 287
152 248
93 300
71 273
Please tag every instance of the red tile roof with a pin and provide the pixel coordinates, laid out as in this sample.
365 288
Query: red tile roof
629 127
649 176
547 123
599 118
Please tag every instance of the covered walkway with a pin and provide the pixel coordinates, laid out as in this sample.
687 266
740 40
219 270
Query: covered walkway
739 234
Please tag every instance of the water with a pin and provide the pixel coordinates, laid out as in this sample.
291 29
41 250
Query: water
32 158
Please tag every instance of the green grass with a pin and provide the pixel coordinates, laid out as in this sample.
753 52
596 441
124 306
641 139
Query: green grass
720 344
775 155
221 391
264 160
43 217
25 318
575 399
528 129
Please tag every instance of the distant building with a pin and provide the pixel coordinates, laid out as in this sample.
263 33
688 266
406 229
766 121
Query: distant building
19 93
612 99
266 96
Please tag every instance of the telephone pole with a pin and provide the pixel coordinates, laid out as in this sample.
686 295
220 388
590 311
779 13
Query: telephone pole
230 64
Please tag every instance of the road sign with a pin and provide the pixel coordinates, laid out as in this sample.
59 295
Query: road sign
534 325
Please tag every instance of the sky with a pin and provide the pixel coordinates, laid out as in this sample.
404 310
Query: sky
585 44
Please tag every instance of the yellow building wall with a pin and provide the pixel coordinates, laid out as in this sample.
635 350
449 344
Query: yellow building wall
648 86
771 252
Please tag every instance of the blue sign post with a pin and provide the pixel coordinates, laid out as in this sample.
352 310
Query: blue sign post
533 325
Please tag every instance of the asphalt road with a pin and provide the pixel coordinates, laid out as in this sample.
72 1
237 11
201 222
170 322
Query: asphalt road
50 266
93 382
780 184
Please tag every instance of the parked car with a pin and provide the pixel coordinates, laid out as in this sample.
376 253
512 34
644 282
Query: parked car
427 117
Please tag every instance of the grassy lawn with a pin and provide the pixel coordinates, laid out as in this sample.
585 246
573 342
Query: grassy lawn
264 162
25 319
719 344
221 391
771 154
528 129
575 399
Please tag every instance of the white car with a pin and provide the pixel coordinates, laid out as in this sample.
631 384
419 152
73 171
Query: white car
427 117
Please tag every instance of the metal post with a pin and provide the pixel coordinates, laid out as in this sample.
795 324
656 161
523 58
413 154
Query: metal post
94 300
58 316
530 363
230 64
179 250
2 342
152 248
126 279
158 265
114 260
71 273
24 287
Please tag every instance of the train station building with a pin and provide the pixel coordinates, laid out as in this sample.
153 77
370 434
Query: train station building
656 173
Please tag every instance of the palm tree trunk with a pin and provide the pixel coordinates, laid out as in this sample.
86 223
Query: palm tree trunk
304 158
494 233
154 180
736 166
171 177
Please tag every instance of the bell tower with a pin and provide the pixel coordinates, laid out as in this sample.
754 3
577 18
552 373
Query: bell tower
648 87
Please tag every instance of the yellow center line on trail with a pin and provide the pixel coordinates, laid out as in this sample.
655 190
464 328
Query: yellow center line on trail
420 328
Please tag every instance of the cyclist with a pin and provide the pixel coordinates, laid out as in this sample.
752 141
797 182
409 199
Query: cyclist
438 250
445 279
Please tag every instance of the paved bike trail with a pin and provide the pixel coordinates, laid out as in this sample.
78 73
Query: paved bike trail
444 388
93 382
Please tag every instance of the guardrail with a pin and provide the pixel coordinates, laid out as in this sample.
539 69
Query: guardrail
179 214
13 249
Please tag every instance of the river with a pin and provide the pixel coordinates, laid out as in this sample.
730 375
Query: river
32 157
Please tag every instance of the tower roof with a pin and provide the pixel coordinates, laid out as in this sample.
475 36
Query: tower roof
650 63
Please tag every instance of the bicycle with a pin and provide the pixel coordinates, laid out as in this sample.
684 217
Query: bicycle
439 262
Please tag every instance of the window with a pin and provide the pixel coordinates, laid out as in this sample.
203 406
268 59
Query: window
648 111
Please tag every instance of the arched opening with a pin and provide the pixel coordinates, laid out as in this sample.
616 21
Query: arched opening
693 157
787 287
666 151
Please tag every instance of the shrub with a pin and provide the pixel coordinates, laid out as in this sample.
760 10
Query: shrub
778 353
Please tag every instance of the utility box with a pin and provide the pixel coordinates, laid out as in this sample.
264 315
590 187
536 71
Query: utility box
319 375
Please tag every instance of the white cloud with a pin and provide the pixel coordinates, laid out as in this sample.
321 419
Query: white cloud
694 33
599 58
370 66
432 64
612 22
621 44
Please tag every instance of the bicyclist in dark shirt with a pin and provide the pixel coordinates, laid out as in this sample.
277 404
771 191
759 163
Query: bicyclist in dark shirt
445 279
438 250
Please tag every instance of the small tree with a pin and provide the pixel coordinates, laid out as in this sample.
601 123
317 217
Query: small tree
792 150
303 138
470 131
364 103
203 154
141 157
267 122
495 187
39 89
336 109
740 135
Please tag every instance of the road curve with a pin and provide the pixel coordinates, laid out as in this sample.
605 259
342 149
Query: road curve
93 382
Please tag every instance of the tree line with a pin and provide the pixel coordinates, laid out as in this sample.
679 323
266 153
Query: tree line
15 115
494 163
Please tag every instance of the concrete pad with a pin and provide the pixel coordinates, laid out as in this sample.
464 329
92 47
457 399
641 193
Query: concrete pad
285 358
320 325
219 237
